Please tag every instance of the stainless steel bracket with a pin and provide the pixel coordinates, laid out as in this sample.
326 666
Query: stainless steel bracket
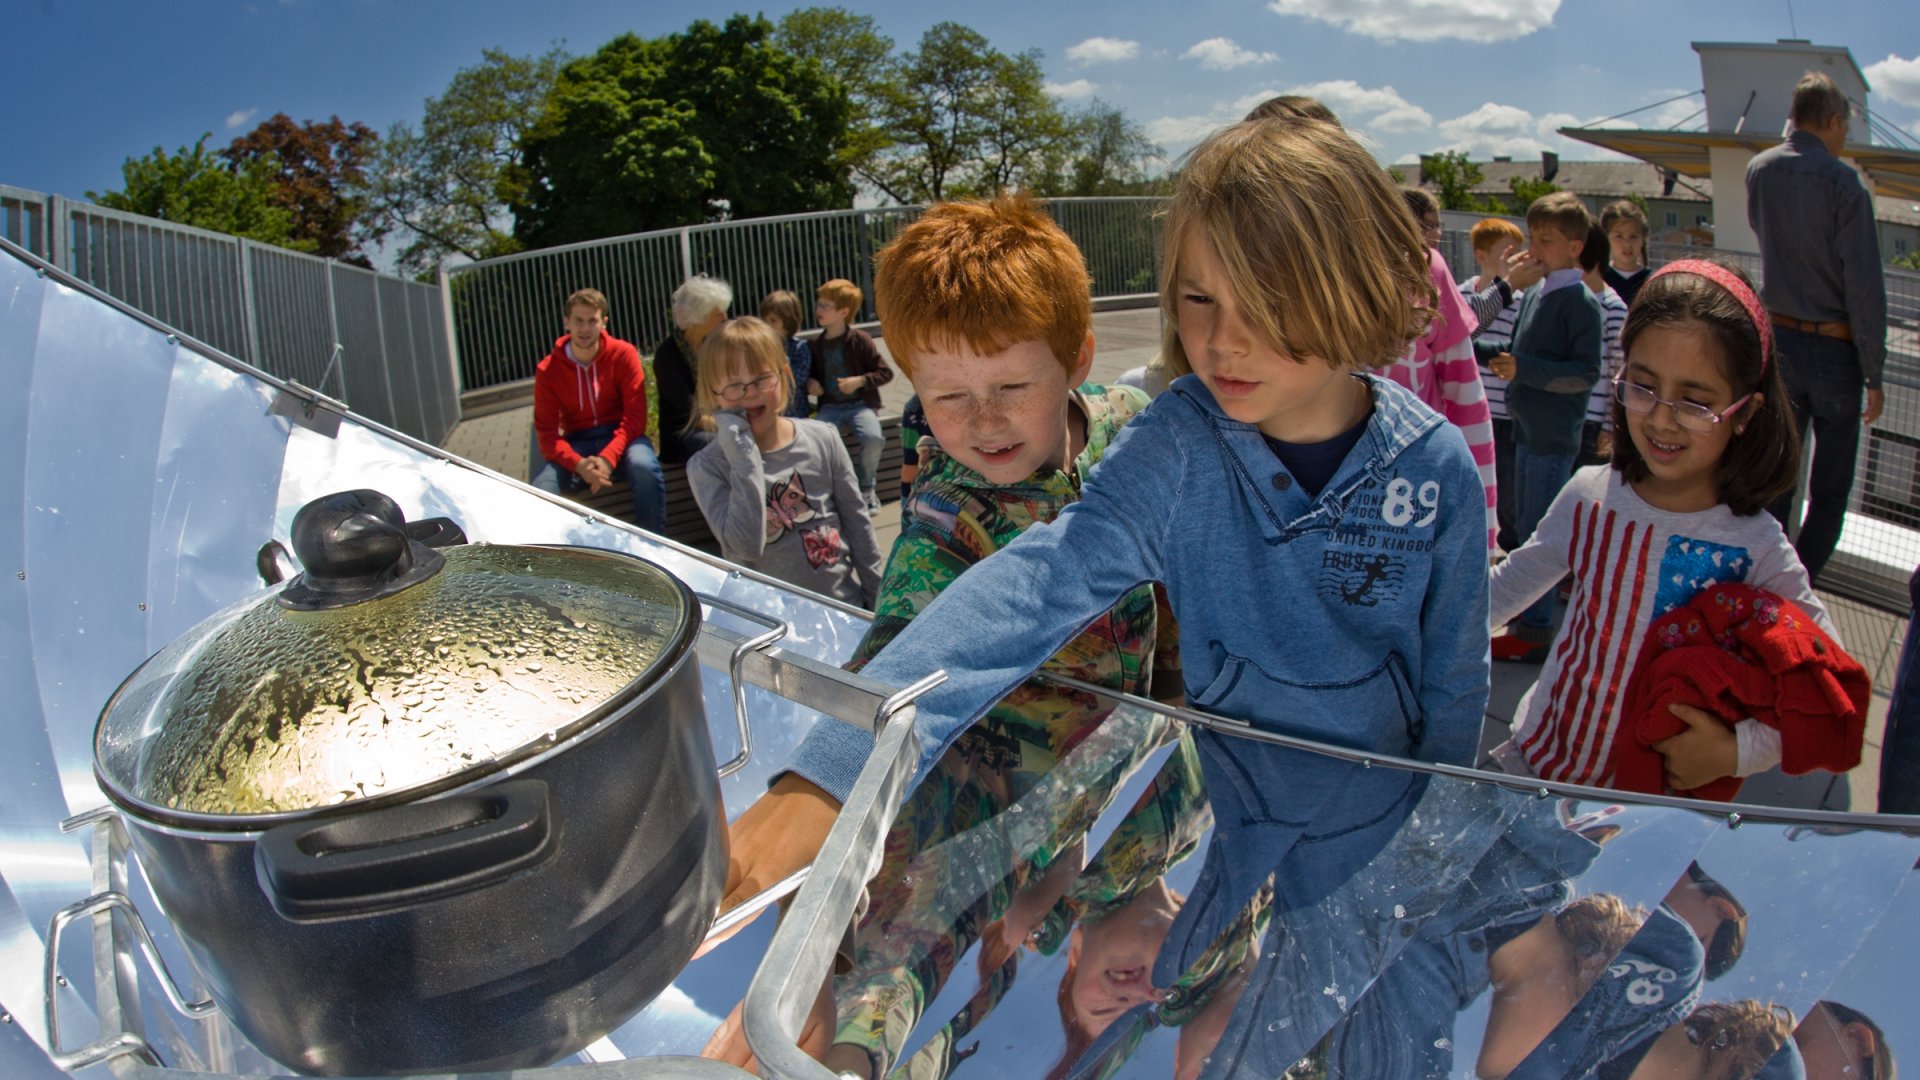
736 670
801 953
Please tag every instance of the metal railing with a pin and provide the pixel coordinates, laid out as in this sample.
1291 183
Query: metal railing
281 311
506 311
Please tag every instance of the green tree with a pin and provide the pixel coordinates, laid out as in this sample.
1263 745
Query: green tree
444 189
960 117
929 111
1022 131
852 49
194 186
1106 153
710 123
1525 191
1454 178
319 171
1909 261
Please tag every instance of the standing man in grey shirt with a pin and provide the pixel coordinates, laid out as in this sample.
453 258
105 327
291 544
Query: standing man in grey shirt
1827 294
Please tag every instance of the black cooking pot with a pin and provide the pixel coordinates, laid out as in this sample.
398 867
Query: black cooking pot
426 810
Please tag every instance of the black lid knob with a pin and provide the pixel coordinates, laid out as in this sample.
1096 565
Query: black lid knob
354 547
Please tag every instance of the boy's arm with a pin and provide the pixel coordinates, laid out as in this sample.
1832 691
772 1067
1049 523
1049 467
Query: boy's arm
871 363
633 405
1454 665
989 630
546 427
1575 370
729 483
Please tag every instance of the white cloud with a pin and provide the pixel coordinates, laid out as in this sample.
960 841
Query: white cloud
1495 129
1897 79
1073 91
1176 133
1351 102
240 116
1427 20
1100 50
1224 54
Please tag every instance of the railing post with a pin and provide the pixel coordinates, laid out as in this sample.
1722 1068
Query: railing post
56 230
866 263
333 326
249 302
452 339
686 253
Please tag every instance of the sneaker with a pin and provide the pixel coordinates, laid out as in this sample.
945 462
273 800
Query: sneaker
873 500
1518 650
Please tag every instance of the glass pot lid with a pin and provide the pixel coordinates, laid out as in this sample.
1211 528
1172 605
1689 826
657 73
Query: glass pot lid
264 709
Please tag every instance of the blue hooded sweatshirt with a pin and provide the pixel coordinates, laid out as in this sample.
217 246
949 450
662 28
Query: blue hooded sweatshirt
1356 617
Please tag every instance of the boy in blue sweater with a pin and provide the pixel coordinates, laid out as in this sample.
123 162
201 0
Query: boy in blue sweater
1321 534
1555 361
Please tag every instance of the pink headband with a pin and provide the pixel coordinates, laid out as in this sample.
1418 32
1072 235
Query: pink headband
1731 282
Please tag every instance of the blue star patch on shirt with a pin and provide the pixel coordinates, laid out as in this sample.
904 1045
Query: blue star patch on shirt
1690 565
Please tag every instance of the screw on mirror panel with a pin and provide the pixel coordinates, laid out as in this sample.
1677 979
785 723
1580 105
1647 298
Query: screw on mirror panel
59 980
6 1018
1733 821
22 575
173 339
1366 763
1542 793
143 605
591 520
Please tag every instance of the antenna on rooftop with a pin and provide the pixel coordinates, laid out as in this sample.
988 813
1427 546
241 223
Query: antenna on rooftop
1790 24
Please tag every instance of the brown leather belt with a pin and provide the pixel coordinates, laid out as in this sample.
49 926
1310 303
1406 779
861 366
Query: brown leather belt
1838 330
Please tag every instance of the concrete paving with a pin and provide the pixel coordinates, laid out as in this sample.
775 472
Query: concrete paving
1129 338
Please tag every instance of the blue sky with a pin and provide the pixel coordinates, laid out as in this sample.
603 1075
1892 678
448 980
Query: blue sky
91 82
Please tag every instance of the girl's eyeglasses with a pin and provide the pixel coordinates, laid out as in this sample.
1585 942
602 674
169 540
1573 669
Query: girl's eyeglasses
737 390
1688 414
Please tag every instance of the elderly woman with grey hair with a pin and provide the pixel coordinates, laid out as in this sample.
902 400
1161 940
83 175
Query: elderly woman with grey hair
699 305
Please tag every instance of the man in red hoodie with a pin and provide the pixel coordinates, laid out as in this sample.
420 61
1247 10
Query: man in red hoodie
590 414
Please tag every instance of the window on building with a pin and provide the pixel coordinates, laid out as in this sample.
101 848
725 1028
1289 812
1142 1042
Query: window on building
1899 247
1699 219
1673 219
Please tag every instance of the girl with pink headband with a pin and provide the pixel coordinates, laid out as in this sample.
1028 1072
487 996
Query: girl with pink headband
1710 442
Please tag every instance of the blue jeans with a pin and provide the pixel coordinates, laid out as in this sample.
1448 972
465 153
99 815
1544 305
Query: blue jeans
1900 749
1824 387
639 466
856 417
1537 480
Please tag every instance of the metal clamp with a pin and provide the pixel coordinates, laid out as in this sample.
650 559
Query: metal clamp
776 630
120 1042
800 954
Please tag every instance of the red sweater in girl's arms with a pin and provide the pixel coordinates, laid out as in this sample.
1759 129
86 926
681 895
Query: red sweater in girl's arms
568 396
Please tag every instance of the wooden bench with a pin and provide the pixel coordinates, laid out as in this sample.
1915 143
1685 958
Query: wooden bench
687 525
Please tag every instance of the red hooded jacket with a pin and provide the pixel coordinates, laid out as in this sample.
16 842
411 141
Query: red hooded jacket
568 397
1738 652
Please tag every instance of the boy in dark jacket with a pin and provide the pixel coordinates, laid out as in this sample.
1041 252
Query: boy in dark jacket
848 373
1554 363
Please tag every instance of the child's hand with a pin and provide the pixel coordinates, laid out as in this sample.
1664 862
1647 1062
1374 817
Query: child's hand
1603 446
1705 752
814 389
1524 271
779 835
850 383
1502 365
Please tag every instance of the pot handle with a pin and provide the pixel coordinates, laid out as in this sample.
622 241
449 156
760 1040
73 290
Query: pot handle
405 855
776 630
